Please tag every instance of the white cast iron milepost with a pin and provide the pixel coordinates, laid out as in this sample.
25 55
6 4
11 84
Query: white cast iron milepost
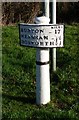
42 69
43 36
30 36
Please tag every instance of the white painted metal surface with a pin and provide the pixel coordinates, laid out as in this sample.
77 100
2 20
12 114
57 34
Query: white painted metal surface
42 77
47 8
54 22
53 11
42 72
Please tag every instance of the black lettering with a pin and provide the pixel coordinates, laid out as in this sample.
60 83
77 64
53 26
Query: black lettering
36 31
60 38
32 30
46 43
29 36
25 36
32 42
25 42
36 43
25 30
58 26
41 31
21 29
60 43
29 30
40 38
56 43
22 35
57 31
34 37
51 43
56 40
41 43
46 37
52 27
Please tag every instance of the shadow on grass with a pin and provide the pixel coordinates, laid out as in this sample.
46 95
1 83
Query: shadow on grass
63 59
28 99
54 78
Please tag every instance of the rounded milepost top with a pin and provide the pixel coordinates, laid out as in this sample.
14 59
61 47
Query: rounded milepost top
42 20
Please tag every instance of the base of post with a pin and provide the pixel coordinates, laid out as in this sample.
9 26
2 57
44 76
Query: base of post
40 103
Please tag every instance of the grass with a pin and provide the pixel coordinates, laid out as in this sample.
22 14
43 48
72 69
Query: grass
19 79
